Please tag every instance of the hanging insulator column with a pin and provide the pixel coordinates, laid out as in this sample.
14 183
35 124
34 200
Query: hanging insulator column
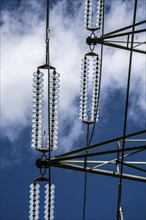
100 6
37 109
49 197
88 109
84 88
95 95
54 101
34 201
38 123
88 14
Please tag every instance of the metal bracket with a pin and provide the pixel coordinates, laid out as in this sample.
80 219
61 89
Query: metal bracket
40 163
94 40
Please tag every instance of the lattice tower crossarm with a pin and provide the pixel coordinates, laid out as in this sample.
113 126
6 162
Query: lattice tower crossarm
74 160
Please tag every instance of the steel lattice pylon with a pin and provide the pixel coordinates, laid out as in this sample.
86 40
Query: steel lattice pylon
121 148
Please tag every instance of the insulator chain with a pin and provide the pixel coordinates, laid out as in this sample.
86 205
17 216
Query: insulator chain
34 201
49 198
84 88
38 107
89 111
48 202
54 105
95 92
88 15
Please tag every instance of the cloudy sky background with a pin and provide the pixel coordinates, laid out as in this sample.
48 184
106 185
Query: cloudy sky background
23 49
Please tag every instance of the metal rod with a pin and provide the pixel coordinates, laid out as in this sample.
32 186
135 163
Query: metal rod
126 27
85 188
101 61
125 42
103 161
113 161
118 156
97 153
124 34
100 144
121 47
122 41
47 31
135 140
85 176
140 44
134 167
48 64
126 114
128 40
74 167
100 171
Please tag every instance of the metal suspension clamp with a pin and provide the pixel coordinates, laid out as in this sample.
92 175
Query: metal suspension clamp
42 162
93 40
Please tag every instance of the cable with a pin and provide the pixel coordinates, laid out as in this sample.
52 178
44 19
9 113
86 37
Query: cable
85 177
101 57
48 65
85 188
125 116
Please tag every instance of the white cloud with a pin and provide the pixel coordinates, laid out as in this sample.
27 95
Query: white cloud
23 49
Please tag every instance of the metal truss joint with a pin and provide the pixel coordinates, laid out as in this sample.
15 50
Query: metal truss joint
93 40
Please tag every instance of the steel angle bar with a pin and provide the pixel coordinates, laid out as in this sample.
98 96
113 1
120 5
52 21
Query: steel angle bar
127 163
137 44
117 159
82 161
123 34
103 161
122 41
136 162
94 41
121 47
118 42
135 140
125 28
100 144
99 171
144 42
132 166
41 163
98 153
119 201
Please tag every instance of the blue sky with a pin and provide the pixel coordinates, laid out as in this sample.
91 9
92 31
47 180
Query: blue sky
22 50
